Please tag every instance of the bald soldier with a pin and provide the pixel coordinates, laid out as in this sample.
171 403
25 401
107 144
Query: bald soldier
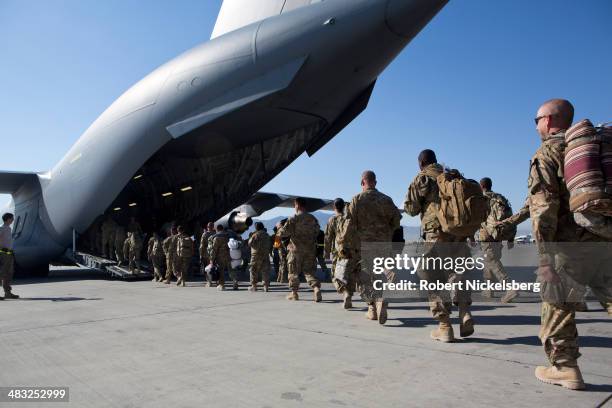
561 266
373 217
423 199
301 230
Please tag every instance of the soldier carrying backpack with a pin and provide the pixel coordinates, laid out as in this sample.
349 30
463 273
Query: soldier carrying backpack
491 235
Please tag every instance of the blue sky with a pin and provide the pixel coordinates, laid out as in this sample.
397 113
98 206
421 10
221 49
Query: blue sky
468 86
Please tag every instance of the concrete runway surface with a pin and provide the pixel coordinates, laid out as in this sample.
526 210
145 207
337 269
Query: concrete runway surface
144 344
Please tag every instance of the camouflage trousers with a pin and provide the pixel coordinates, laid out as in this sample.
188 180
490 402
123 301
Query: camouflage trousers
493 268
7 269
182 268
441 245
259 270
169 267
134 258
226 266
282 275
158 262
345 275
300 263
578 265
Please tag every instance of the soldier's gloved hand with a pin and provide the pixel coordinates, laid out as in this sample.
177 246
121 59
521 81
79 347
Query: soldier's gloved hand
510 244
548 274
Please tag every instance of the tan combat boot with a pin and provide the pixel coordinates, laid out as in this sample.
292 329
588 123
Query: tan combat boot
582 307
466 323
381 311
317 294
348 302
221 287
509 296
565 376
266 288
444 332
253 288
293 295
371 314
607 307
168 281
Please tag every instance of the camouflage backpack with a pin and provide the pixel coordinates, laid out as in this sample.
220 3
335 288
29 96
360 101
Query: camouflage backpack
185 247
347 241
463 206
500 209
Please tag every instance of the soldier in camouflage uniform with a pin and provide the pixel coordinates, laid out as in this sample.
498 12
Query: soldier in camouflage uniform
185 249
220 256
156 256
108 237
344 287
492 247
423 199
372 218
259 243
282 276
120 237
133 249
563 267
134 227
302 230
203 250
169 246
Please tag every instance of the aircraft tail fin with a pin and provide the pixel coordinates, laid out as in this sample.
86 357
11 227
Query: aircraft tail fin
11 181
235 14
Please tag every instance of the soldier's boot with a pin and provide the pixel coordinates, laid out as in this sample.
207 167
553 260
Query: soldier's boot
221 287
168 281
348 301
253 288
487 294
235 285
607 307
466 322
567 376
182 282
10 295
582 307
381 311
293 295
317 294
509 296
371 313
266 288
444 332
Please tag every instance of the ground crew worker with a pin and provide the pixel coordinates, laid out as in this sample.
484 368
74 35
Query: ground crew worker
133 249
108 237
7 256
562 266
220 255
330 235
156 257
423 199
169 246
203 250
492 246
259 243
120 237
185 250
373 218
301 230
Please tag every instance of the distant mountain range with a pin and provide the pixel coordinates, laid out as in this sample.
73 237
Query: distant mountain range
411 233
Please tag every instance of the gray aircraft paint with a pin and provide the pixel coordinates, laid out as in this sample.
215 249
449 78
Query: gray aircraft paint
307 66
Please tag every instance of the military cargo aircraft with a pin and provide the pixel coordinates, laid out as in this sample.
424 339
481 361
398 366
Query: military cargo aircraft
205 131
